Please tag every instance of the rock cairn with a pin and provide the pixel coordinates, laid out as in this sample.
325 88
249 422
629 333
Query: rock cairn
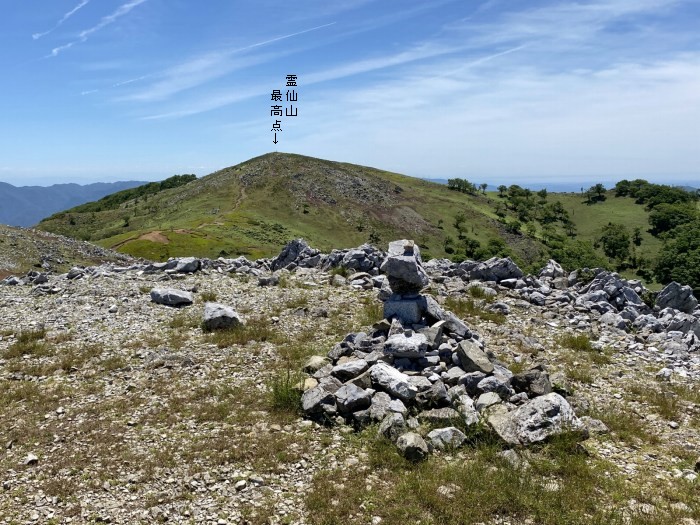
423 375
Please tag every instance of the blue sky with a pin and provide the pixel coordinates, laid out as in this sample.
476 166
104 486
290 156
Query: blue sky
497 91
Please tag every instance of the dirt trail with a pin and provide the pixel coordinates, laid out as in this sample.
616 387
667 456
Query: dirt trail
154 236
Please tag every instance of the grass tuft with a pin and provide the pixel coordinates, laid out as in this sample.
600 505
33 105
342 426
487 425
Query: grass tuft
30 342
469 309
285 394
258 329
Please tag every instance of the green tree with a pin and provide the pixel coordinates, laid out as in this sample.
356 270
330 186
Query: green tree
575 254
448 244
501 210
665 217
502 190
615 240
622 188
513 226
569 227
637 236
471 246
483 187
494 248
680 258
459 221
596 193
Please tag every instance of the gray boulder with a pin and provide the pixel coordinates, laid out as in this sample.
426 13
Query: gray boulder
552 270
487 400
317 400
400 345
446 438
403 268
392 426
218 316
171 297
496 383
412 446
293 253
536 420
408 311
496 269
472 358
75 273
533 382
684 323
453 324
678 297
351 398
439 416
350 369
380 406
387 378
188 265
465 406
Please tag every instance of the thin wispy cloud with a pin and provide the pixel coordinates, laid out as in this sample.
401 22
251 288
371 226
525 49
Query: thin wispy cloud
89 92
215 101
207 67
571 22
83 3
83 36
132 80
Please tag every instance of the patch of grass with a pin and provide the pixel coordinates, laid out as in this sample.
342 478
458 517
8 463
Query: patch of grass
112 363
284 391
625 424
183 320
340 270
371 311
73 358
62 337
29 342
469 309
258 329
560 486
294 353
663 401
145 289
299 301
477 292
208 297
580 372
579 342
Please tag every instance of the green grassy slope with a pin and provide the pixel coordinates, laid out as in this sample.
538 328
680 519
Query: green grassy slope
255 207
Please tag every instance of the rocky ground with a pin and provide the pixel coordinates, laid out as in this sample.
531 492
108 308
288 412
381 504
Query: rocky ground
117 409
25 249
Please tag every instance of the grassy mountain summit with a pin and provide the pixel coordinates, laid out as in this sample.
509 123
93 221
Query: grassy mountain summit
257 206
253 208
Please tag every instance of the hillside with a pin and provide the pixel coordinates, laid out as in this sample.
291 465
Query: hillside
255 207
27 205
23 250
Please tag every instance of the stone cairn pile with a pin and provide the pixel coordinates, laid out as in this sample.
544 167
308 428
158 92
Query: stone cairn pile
424 376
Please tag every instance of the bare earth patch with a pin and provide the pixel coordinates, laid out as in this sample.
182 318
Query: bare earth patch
155 236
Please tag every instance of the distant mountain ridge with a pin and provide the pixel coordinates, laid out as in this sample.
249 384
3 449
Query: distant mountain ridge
27 205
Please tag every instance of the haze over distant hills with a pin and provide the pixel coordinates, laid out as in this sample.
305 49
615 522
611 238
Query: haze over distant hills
27 205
